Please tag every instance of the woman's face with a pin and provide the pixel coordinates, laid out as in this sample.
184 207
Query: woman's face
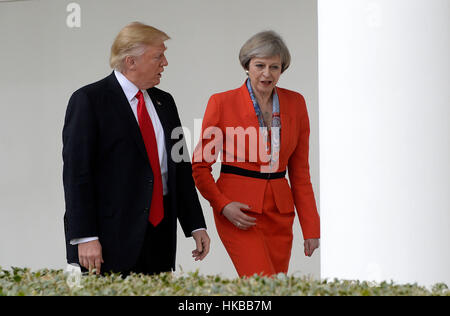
264 73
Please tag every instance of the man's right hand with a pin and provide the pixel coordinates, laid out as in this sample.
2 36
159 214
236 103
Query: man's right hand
90 255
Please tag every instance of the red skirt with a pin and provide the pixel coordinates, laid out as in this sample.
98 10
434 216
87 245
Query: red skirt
263 249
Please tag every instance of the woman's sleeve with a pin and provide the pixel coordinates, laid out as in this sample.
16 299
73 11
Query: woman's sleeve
299 176
205 155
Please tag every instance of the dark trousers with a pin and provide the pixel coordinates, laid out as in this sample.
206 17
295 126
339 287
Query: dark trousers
157 255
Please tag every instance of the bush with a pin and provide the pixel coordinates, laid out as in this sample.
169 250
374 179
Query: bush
24 282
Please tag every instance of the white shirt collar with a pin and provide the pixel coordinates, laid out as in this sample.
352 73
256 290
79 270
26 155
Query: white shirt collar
128 87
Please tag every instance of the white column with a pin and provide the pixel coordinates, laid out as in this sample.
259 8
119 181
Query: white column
384 98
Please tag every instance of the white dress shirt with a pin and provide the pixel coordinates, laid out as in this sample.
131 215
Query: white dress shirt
130 91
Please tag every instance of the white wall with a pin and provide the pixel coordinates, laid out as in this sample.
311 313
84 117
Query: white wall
384 79
42 61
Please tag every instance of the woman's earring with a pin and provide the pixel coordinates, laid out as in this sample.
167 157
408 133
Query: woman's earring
246 72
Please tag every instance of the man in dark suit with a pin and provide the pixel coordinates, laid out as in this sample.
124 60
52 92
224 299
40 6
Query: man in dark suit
123 188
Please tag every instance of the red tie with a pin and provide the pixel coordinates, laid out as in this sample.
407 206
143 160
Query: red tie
148 134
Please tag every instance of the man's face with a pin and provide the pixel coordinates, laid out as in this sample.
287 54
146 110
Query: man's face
149 66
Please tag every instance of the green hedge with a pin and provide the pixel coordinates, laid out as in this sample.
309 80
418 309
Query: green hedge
23 282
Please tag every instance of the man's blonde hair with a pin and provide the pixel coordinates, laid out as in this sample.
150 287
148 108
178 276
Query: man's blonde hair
132 40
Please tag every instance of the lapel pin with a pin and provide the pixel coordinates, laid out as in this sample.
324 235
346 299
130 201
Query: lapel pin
158 102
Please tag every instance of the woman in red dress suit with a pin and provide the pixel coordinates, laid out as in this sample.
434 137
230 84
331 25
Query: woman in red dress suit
262 131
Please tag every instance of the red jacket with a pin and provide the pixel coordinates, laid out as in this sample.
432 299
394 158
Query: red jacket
234 108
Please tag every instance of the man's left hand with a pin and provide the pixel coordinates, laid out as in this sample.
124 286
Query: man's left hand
202 241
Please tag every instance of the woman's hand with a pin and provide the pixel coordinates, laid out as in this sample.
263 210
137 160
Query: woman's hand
233 213
310 246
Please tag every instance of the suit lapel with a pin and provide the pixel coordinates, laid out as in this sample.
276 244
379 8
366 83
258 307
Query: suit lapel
168 122
164 116
286 125
123 108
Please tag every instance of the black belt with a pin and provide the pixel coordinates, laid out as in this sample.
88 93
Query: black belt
251 173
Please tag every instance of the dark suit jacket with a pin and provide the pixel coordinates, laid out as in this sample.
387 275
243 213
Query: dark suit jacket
108 181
